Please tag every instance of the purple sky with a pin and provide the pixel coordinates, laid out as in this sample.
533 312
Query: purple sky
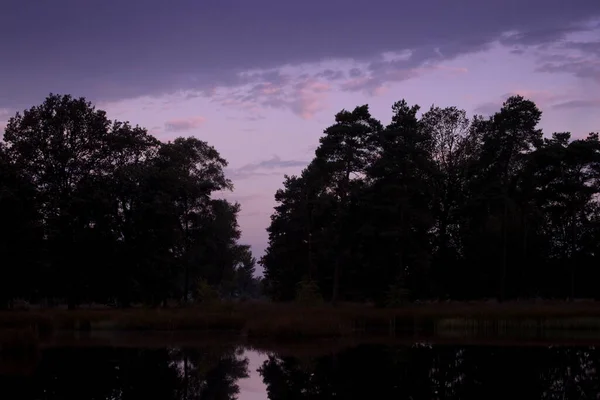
261 79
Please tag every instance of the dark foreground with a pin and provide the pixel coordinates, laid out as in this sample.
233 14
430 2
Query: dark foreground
141 365
277 352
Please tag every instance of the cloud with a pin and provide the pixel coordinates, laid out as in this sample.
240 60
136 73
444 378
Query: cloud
180 125
587 47
204 46
268 167
310 98
373 84
578 58
376 77
582 68
535 36
355 73
593 103
331 75
274 162
303 96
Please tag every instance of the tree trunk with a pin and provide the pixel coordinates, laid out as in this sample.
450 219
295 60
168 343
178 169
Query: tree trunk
186 283
309 243
186 266
572 258
504 251
336 282
339 246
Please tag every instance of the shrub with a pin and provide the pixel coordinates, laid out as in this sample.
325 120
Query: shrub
206 293
308 292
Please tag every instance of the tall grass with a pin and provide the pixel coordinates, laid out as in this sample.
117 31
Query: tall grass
296 321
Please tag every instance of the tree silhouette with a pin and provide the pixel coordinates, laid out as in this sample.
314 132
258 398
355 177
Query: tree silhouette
107 212
440 206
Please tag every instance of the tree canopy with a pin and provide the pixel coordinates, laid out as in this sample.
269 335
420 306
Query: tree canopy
437 205
99 210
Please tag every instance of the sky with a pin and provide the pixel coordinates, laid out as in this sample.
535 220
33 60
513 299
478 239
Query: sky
261 79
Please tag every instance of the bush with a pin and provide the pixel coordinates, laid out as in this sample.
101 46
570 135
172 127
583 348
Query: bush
206 293
308 292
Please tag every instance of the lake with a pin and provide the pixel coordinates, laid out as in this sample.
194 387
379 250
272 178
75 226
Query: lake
361 371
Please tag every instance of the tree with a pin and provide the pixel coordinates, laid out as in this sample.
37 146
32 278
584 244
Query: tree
440 206
62 147
109 212
20 234
342 159
450 151
398 206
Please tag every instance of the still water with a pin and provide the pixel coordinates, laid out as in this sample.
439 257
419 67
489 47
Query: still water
417 371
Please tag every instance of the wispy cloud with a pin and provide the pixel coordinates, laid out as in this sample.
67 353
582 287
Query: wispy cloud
581 68
302 95
268 167
310 97
274 162
180 125
592 103
581 59
331 75
375 78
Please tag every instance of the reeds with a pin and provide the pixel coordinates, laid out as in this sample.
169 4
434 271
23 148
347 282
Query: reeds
296 321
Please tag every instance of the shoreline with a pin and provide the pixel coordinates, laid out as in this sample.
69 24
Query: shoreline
276 321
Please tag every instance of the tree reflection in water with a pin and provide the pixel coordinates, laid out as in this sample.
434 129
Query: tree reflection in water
439 372
366 371
127 374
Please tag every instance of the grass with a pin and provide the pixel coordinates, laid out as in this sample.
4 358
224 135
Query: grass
271 321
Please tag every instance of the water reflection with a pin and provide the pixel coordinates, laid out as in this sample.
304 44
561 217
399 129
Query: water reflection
366 371
118 373
441 372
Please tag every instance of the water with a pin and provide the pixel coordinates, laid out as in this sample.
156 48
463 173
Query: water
417 371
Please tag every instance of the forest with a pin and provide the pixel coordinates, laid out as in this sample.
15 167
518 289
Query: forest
94 210
434 206
438 206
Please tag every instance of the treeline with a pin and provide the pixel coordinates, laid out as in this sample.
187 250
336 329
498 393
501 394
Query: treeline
439 206
94 210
